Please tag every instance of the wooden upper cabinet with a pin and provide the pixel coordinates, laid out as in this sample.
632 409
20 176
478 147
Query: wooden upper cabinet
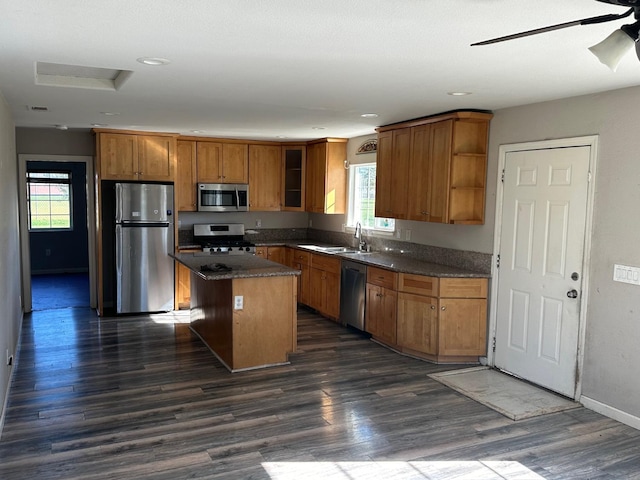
209 158
384 164
235 163
185 184
265 177
445 168
393 170
439 160
222 162
294 162
326 182
124 156
419 191
156 157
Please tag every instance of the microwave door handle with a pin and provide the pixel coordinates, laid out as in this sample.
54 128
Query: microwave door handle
237 199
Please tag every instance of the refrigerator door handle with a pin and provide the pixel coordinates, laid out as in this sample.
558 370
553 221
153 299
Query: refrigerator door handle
144 224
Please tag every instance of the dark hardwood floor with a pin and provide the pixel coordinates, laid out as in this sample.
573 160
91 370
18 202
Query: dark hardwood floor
125 398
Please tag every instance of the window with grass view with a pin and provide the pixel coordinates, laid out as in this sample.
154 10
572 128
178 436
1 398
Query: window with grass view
49 200
362 199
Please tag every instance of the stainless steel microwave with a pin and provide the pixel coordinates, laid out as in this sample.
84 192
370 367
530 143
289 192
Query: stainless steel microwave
223 197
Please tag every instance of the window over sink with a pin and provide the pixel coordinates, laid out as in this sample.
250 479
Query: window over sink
362 200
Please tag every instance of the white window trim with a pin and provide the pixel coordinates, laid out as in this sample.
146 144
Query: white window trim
350 227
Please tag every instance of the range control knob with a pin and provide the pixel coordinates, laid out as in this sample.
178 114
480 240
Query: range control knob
247 249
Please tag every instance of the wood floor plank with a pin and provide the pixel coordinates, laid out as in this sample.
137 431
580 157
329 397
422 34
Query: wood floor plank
128 397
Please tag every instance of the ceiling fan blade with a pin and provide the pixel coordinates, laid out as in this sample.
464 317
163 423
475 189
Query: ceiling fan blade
584 21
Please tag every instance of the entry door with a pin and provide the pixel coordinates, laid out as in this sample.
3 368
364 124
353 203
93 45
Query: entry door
541 259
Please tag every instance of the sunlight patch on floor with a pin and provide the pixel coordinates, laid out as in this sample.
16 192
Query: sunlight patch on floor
435 470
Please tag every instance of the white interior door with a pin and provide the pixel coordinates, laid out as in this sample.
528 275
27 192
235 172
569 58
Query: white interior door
541 259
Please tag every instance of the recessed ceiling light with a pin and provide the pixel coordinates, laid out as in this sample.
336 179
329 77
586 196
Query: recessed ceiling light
197 131
318 128
458 94
62 127
154 61
281 136
98 125
110 114
369 115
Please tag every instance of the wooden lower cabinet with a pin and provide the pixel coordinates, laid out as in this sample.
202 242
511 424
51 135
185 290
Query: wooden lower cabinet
381 313
324 285
439 319
319 283
183 287
418 323
276 254
300 260
463 327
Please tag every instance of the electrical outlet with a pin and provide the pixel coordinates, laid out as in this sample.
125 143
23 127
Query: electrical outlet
258 223
310 223
238 302
398 233
407 234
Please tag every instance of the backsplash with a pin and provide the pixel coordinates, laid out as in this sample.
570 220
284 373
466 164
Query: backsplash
475 261
467 260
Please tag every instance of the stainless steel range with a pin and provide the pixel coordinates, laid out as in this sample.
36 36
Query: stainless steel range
223 239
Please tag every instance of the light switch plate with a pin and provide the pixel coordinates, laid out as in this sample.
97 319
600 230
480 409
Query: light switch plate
626 274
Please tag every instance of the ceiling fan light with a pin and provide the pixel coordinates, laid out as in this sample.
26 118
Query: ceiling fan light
611 50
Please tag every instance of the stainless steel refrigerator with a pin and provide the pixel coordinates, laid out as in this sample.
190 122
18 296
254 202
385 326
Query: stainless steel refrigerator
144 239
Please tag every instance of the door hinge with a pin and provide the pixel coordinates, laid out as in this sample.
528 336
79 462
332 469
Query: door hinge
493 344
498 261
502 178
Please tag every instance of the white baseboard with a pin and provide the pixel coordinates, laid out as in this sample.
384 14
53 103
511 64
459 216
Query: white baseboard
16 354
611 412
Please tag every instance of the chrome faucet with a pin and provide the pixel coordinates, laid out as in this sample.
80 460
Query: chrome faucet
358 236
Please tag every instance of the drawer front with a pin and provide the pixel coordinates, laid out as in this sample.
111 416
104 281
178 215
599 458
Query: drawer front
300 256
382 277
418 284
463 287
325 263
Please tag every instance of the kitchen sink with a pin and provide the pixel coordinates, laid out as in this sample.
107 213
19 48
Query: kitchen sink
334 249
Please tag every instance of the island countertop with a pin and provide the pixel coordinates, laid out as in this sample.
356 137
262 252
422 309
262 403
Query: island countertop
242 266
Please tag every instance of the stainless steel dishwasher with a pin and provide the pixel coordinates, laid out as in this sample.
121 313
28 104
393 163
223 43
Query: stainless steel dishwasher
353 281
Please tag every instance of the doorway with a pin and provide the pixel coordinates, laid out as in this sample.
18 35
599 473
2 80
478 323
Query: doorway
543 220
48 249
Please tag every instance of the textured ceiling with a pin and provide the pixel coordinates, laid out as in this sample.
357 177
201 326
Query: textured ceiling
298 69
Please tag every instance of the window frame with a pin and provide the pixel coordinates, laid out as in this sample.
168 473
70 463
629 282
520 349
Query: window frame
350 218
49 181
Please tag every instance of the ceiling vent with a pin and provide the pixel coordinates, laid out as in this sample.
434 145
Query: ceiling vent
77 76
33 108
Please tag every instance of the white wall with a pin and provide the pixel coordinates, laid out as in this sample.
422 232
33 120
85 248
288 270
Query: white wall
612 353
10 279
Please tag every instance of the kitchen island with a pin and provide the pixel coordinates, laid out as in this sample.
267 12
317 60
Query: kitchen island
243 308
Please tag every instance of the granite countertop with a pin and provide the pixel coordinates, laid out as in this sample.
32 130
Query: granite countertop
398 262
391 260
242 266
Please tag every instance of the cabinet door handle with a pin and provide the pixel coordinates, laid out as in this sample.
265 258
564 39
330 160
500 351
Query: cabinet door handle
443 308
433 307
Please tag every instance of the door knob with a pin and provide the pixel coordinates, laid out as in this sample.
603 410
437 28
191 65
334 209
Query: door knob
572 294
